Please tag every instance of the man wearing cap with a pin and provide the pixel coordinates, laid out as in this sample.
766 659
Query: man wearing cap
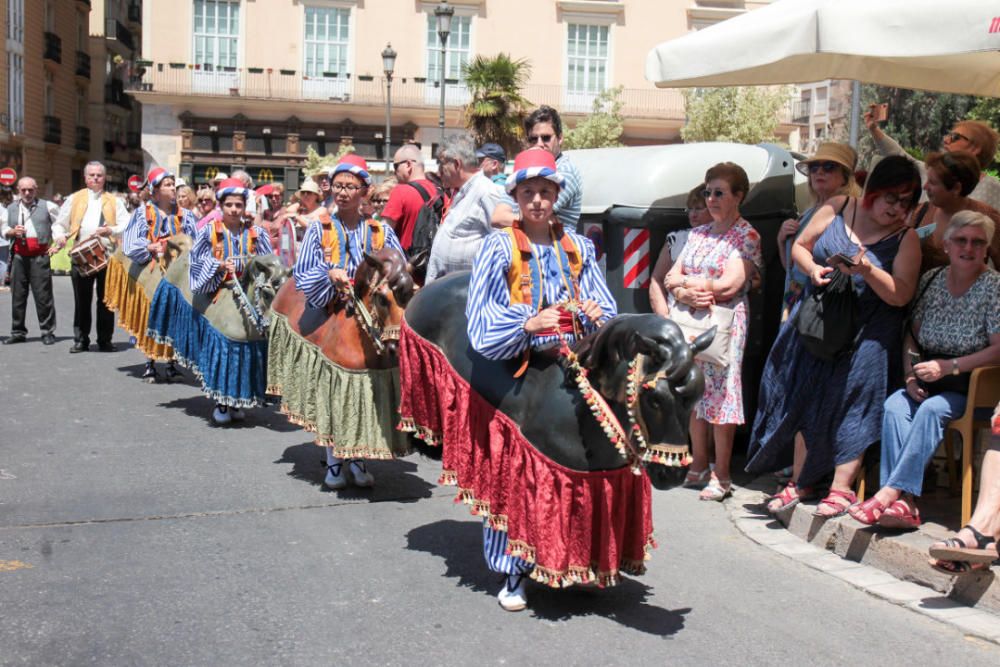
92 212
543 128
468 220
35 234
403 207
492 160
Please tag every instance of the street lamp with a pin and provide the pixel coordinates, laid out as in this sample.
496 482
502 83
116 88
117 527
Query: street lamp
443 12
388 64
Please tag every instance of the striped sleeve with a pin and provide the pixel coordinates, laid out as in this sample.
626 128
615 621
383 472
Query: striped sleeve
391 240
204 269
263 244
567 207
496 327
189 224
135 237
311 271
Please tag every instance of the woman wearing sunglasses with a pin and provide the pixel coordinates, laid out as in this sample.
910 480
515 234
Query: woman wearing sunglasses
710 271
837 405
973 136
950 180
831 173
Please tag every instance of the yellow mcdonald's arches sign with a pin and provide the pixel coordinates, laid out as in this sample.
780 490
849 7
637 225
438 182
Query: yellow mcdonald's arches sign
265 175
211 172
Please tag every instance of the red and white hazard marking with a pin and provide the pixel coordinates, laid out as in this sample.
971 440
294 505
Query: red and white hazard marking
636 258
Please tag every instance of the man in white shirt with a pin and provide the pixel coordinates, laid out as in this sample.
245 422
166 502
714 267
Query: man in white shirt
85 213
35 235
468 220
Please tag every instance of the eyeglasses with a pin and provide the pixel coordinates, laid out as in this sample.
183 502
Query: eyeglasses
535 138
828 167
952 137
718 194
891 198
397 165
340 187
206 201
977 244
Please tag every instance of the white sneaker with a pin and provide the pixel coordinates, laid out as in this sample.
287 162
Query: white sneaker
237 414
360 474
512 596
336 477
221 415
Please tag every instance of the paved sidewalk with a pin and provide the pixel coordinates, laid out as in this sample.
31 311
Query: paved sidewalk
893 567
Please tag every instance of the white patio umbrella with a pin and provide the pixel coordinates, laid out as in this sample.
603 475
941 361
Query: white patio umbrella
951 47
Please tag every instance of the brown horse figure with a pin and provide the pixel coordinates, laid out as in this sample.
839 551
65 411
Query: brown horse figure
336 368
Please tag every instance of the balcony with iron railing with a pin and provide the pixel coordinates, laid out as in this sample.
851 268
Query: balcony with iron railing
53 47
82 138
52 129
115 30
114 93
83 64
258 83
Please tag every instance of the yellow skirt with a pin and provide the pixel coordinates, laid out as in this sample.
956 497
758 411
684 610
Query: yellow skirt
123 295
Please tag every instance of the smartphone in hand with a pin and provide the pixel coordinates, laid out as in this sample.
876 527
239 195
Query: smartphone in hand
914 357
880 112
840 259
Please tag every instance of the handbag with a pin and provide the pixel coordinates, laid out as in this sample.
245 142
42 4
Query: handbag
694 322
956 383
827 319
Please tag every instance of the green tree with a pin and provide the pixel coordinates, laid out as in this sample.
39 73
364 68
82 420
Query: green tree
315 162
745 115
497 109
604 126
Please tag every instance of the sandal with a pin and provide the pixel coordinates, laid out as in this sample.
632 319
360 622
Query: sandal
956 567
900 515
840 501
717 489
954 549
788 497
696 480
868 512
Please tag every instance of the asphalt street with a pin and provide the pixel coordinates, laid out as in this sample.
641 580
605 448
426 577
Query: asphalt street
134 532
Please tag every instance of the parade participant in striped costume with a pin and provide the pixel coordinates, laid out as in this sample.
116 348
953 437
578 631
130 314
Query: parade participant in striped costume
532 284
145 240
327 260
220 254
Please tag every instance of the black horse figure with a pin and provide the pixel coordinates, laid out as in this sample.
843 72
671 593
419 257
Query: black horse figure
545 403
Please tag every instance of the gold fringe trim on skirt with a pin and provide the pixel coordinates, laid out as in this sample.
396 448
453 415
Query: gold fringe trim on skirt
125 296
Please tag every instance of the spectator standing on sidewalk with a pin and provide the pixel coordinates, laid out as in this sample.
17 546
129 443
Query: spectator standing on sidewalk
35 235
492 160
413 191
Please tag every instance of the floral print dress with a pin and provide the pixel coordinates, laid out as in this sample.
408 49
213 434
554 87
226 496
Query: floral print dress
705 255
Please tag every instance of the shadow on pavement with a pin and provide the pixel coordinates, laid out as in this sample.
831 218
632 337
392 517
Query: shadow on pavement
200 407
394 480
459 543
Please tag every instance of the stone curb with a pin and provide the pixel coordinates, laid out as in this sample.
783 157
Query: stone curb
825 550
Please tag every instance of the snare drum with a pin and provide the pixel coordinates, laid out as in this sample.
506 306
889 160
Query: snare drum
89 256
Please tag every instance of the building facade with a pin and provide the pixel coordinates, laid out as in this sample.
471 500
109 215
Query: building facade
52 122
242 83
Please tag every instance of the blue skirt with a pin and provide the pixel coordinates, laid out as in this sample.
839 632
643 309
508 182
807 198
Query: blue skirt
232 373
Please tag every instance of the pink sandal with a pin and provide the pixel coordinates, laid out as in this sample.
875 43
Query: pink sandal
841 501
868 512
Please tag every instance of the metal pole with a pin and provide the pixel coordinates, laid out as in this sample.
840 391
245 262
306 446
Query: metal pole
855 112
388 123
443 55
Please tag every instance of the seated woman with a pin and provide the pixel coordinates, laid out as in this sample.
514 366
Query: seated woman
327 260
712 271
853 386
950 179
955 329
566 292
219 255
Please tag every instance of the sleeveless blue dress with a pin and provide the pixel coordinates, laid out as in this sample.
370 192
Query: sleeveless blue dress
837 405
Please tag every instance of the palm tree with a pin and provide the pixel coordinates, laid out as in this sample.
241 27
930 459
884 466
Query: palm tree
497 109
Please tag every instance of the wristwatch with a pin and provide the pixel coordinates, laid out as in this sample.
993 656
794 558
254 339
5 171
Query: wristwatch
954 367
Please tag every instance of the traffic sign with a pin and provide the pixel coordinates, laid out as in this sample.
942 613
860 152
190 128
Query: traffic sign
8 176
134 183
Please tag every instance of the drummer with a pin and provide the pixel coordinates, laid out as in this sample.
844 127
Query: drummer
330 254
508 318
86 213
145 237
220 253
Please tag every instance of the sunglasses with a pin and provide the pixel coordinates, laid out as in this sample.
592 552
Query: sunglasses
378 202
718 194
952 137
397 165
827 167
535 138
978 244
